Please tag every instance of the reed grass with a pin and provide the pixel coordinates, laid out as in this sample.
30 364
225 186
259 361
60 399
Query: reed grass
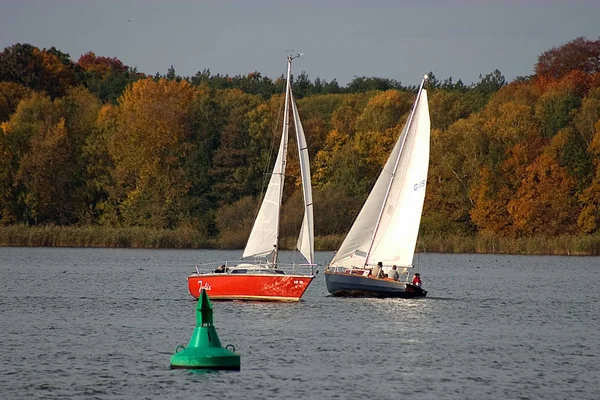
538 245
101 236
185 238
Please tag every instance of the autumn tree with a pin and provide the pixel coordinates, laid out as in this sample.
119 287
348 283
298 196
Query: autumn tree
457 155
146 148
587 115
41 70
11 94
447 107
33 117
45 172
579 54
106 77
101 188
511 141
384 111
47 141
588 221
545 203
554 109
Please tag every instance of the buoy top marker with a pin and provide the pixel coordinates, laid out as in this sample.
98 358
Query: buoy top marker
204 312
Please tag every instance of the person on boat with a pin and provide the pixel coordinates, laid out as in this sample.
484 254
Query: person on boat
417 280
393 274
220 270
404 275
377 271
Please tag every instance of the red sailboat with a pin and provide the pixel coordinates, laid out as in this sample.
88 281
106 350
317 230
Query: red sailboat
265 278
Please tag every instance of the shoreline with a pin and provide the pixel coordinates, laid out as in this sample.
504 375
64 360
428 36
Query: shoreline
188 238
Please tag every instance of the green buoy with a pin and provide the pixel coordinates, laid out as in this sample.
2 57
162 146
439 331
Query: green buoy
204 350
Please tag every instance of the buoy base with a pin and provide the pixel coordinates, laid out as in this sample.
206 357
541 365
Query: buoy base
207 358
220 368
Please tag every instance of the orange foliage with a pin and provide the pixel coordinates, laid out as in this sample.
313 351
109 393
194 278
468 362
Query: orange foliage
513 122
54 76
594 80
544 204
489 211
576 82
521 93
101 65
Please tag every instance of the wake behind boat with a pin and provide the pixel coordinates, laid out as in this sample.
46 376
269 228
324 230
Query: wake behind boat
387 226
265 278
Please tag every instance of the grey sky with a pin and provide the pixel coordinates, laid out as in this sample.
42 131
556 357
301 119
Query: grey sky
400 39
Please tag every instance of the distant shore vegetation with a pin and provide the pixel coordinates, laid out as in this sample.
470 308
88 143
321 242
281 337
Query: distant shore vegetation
188 238
95 153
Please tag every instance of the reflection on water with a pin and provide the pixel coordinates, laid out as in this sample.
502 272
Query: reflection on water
85 323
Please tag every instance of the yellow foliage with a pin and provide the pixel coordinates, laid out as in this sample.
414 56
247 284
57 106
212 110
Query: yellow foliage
385 111
594 147
544 203
489 211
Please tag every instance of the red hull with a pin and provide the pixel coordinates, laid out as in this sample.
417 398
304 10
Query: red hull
276 287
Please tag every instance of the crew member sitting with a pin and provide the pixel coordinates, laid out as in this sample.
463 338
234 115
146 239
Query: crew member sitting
393 274
220 270
417 280
377 271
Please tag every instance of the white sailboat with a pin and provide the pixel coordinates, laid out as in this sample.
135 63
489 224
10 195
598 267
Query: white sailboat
268 279
387 226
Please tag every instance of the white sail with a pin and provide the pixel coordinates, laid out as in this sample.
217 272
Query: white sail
306 238
387 226
265 232
263 238
396 236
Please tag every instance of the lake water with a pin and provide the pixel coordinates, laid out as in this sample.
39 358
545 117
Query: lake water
102 323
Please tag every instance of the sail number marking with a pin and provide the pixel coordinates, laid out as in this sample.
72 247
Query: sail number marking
419 185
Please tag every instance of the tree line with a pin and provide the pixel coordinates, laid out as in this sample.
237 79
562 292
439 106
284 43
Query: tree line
95 142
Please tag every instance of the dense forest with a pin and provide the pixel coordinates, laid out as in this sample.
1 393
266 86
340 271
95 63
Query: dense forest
96 143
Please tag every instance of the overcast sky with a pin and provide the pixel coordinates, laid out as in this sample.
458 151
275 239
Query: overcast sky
340 39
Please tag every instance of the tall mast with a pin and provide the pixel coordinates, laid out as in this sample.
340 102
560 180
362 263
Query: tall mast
387 193
286 127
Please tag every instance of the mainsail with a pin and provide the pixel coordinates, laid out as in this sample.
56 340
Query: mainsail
387 226
265 232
